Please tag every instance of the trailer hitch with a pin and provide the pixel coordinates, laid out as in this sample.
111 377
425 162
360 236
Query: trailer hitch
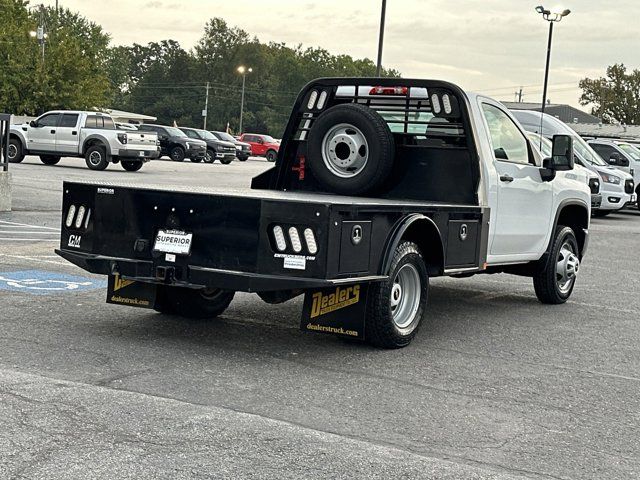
166 274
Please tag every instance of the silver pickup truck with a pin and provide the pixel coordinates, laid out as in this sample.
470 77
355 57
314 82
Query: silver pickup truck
89 135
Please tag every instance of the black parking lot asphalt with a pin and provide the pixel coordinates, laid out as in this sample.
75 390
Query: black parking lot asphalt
496 385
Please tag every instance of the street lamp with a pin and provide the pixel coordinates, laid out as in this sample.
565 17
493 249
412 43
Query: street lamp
244 71
551 16
40 36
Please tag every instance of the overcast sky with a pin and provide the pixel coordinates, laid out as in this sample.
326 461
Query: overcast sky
492 46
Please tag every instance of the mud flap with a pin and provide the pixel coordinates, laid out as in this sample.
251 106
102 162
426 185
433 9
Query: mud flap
336 310
131 293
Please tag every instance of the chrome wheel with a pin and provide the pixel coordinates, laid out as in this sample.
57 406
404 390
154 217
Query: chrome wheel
95 158
567 267
405 296
13 151
345 150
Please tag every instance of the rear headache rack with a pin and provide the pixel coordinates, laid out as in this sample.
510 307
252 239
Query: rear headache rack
417 111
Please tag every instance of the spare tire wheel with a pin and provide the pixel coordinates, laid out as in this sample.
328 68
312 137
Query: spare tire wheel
350 149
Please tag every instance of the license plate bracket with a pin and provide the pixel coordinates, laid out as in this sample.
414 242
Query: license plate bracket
173 241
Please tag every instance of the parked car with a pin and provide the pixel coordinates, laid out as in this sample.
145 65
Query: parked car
216 149
92 135
388 207
622 155
262 145
593 180
175 144
615 186
243 150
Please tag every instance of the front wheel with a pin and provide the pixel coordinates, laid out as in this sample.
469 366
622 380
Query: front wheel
210 156
271 156
555 280
49 159
177 154
398 304
96 158
192 303
131 165
16 152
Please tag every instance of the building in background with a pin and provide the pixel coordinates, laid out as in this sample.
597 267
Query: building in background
565 113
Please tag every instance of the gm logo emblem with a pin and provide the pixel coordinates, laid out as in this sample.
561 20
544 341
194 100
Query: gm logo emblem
464 232
356 234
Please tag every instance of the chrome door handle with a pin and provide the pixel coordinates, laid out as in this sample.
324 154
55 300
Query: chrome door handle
506 178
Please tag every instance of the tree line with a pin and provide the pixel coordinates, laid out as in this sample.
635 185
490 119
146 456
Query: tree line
81 69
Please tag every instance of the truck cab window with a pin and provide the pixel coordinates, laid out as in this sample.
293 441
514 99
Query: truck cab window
48 120
509 144
69 120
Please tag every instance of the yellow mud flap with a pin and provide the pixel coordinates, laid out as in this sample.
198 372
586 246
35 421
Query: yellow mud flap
336 310
128 292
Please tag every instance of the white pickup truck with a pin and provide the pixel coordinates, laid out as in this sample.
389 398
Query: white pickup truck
379 185
89 135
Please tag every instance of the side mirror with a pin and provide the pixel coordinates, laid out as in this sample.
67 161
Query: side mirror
561 157
33 124
260 141
618 160
562 153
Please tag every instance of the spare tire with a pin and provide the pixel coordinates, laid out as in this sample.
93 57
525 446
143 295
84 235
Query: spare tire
350 150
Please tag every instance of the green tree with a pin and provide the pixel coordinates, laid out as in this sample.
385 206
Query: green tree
614 98
73 72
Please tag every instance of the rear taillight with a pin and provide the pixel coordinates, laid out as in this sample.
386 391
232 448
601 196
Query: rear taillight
122 138
78 217
389 91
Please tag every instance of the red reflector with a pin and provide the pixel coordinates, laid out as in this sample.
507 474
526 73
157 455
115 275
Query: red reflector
388 91
300 168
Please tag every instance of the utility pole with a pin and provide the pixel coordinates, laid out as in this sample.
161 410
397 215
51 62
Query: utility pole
381 38
206 107
519 94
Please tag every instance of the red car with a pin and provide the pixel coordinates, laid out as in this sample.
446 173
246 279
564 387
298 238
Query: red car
262 145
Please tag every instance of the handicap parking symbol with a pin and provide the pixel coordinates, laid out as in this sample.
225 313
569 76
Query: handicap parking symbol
41 282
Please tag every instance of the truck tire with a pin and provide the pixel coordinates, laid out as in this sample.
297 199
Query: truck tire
192 303
96 157
177 154
397 305
196 159
210 156
225 161
16 152
271 156
131 165
554 281
49 159
350 150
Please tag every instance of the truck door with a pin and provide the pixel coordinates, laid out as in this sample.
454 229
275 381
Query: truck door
43 137
523 218
67 133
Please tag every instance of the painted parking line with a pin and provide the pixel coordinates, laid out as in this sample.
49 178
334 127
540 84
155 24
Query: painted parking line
41 282
7 224
24 232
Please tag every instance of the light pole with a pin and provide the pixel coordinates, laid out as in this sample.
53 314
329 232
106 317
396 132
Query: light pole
41 37
242 70
381 37
551 17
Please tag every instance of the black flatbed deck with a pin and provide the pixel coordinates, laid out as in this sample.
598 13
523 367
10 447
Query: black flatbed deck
284 196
